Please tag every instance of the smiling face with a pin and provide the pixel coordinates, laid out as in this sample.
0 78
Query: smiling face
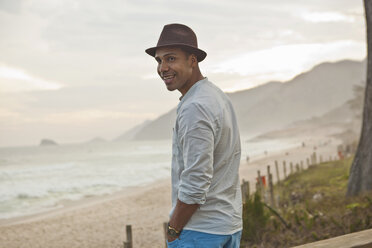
176 68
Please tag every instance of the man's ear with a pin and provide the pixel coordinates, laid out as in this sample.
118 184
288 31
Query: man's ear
194 60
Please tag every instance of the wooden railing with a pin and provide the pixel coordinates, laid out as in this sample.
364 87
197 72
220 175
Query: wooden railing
362 239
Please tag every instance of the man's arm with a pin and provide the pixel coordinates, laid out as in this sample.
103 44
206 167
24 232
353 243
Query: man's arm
197 141
181 215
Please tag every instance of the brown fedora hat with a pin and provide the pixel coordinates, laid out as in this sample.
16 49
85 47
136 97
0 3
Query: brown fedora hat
181 36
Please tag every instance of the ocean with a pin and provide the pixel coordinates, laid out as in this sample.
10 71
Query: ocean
38 179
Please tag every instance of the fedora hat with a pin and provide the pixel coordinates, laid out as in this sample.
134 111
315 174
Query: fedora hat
181 36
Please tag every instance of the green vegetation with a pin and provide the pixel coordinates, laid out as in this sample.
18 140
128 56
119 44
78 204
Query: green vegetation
311 206
255 219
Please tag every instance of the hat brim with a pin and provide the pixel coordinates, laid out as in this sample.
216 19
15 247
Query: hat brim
200 54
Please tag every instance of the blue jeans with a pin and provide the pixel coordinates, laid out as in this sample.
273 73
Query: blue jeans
194 239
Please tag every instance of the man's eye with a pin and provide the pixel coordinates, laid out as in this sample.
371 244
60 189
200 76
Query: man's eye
171 59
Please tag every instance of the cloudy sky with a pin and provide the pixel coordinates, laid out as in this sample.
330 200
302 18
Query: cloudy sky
72 70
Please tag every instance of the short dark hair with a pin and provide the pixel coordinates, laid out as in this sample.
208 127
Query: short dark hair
187 51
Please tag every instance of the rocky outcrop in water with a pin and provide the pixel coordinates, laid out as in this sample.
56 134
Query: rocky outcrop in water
48 142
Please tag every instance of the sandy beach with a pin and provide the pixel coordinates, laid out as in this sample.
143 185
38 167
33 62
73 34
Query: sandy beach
100 221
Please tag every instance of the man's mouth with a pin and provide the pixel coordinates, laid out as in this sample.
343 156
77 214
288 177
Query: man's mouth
168 78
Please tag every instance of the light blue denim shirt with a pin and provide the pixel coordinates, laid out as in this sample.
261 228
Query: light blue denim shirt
205 160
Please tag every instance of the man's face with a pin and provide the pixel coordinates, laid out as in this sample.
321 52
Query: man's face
175 67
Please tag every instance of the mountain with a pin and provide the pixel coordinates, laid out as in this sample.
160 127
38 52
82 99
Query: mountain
97 140
132 133
275 105
340 122
309 94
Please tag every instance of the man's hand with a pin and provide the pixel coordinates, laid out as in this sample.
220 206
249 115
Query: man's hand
182 214
170 239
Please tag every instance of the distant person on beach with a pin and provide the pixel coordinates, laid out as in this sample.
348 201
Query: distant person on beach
206 197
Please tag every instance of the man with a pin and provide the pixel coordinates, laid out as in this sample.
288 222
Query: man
206 196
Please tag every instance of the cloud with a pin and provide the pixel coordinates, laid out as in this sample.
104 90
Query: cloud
286 61
320 17
6 114
13 6
87 117
13 79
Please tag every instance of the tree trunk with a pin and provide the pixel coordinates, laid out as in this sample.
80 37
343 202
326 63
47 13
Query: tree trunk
360 179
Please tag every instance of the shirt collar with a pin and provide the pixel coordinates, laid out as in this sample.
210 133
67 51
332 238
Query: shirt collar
192 89
190 92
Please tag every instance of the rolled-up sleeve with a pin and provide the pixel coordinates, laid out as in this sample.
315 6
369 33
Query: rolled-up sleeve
196 140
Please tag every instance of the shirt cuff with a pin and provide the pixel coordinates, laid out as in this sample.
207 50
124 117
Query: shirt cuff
191 199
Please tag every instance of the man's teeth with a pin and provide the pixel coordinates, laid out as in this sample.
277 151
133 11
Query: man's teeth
168 77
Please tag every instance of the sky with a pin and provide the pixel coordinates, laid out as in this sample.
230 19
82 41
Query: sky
74 70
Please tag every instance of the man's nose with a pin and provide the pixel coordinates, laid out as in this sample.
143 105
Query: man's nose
163 67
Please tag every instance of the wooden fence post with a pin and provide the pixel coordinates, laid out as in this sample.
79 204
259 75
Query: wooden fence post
277 171
271 187
297 168
315 158
129 242
245 191
165 227
260 184
291 167
242 186
284 169
308 162
302 165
